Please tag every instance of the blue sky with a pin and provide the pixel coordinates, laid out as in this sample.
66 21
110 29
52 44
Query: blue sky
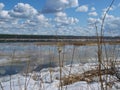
64 17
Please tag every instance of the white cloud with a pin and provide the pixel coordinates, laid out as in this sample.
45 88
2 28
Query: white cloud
93 20
75 30
93 9
66 20
112 24
73 3
62 19
60 14
1 6
41 17
38 20
92 14
22 10
83 8
4 14
41 20
5 17
58 5
23 18
111 9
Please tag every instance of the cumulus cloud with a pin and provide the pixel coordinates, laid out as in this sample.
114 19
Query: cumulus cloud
4 14
83 8
28 15
22 10
66 20
73 3
93 20
5 17
92 14
1 6
93 9
60 14
39 20
75 30
53 6
111 9
62 19
23 18
112 24
41 17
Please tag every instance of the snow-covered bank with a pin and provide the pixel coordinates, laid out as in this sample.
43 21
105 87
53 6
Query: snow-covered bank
48 79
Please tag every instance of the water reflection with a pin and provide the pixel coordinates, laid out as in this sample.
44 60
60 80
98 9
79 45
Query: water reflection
18 55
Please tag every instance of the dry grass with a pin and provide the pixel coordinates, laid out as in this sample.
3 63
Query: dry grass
86 76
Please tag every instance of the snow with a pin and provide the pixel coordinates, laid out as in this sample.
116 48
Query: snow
48 79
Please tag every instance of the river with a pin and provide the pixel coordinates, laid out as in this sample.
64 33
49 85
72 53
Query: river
15 57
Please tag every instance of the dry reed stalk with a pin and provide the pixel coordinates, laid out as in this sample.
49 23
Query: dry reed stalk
100 41
86 76
60 66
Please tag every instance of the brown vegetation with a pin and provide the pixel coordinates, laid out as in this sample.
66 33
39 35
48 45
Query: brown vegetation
86 76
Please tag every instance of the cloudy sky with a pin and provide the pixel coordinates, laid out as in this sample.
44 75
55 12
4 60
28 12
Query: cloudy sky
62 17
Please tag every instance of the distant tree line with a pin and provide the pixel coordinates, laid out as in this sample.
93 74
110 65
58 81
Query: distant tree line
17 36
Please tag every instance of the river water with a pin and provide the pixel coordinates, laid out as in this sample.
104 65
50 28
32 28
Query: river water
15 57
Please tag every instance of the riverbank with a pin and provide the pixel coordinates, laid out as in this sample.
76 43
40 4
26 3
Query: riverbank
49 79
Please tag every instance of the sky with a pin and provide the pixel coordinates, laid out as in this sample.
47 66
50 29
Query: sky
61 17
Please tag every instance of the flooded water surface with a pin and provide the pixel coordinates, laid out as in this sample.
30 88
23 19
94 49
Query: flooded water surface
15 57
